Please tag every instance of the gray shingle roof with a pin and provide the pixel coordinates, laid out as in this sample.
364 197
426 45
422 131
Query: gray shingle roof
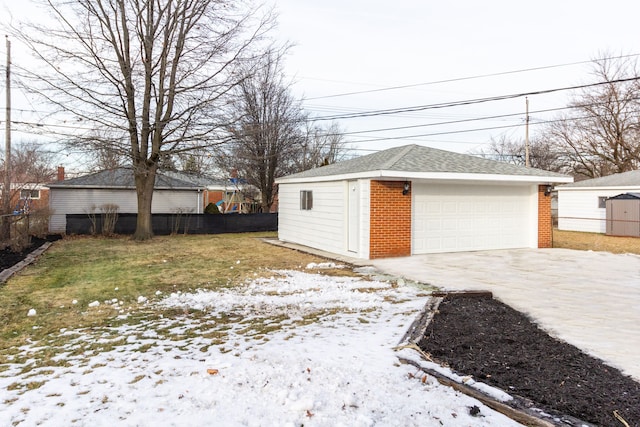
625 179
197 178
122 178
416 158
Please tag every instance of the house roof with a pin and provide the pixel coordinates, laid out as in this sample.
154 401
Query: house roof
625 179
415 161
123 178
198 178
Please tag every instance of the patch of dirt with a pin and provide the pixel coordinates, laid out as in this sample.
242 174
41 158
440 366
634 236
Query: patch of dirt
501 347
9 258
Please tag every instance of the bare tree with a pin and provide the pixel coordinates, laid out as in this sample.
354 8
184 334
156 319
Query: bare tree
201 161
542 153
267 131
31 166
601 135
144 78
321 146
30 163
106 159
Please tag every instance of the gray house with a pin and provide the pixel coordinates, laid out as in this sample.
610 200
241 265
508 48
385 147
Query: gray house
173 193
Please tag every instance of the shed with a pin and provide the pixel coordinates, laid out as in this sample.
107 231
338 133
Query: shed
623 215
415 200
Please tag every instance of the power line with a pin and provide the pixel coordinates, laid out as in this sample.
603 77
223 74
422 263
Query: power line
480 76
376 139
391 111
424 107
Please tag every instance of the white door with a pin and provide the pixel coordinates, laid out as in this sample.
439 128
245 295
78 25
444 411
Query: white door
455 218
353 222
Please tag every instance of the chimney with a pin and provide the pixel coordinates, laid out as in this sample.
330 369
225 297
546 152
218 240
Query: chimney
60 173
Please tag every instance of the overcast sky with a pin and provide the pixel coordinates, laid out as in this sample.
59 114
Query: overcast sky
345 46
357 45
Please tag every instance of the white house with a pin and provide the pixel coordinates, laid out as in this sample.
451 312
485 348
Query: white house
415 200
87 194
581 205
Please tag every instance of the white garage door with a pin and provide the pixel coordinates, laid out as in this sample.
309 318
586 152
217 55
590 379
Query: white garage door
454 218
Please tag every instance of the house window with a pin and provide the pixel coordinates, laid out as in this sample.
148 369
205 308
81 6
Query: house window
29 194
602 202
306 200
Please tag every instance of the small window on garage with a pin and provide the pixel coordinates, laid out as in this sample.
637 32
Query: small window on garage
306 200
602 202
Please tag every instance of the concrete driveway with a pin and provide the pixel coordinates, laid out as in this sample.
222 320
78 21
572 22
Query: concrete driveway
588 299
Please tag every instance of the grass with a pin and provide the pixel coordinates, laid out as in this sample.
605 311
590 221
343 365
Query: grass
83 270
595 242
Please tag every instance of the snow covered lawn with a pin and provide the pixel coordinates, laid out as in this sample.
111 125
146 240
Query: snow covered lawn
291 350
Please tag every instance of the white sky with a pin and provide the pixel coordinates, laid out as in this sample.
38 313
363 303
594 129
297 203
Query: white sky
346 46
358 45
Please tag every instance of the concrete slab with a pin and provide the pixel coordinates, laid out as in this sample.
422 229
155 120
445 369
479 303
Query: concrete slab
588 299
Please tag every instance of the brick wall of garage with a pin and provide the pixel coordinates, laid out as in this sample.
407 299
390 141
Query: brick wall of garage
545 225
390 213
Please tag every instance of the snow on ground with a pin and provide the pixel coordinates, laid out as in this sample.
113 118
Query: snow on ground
295 349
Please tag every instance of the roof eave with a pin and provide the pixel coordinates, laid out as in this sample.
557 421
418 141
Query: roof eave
449 176
115 187
599 188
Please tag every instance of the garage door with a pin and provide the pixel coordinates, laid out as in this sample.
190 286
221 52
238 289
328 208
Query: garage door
453 218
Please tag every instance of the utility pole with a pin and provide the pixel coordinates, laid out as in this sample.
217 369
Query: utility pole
527 163
5 229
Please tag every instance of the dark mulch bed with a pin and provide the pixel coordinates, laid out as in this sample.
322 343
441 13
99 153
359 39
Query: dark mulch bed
501 347
8 258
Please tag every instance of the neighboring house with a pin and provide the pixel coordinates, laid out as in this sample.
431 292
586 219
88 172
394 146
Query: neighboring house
416 200
29 197
582 205
173 193
214 189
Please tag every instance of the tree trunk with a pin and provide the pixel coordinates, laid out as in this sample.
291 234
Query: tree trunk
145 181
264 202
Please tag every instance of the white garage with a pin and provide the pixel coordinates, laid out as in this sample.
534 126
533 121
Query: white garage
455 217
415 200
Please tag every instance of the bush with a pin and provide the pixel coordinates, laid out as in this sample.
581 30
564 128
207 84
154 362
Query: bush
212 208
39 222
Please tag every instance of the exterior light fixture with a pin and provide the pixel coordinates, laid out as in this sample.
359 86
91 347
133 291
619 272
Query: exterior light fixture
548 189
405 188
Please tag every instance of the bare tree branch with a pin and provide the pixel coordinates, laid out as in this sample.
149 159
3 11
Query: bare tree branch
149 78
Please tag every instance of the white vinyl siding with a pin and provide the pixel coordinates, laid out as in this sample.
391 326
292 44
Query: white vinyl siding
324 226
64 201
453 218
579 209
364 218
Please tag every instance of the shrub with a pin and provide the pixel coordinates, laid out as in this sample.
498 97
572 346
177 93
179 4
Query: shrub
212 208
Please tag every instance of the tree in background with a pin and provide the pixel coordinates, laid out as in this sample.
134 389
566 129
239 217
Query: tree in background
31 167
30 163
272 135
143 78
105 158
321 146
265 128
601 134
542 153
